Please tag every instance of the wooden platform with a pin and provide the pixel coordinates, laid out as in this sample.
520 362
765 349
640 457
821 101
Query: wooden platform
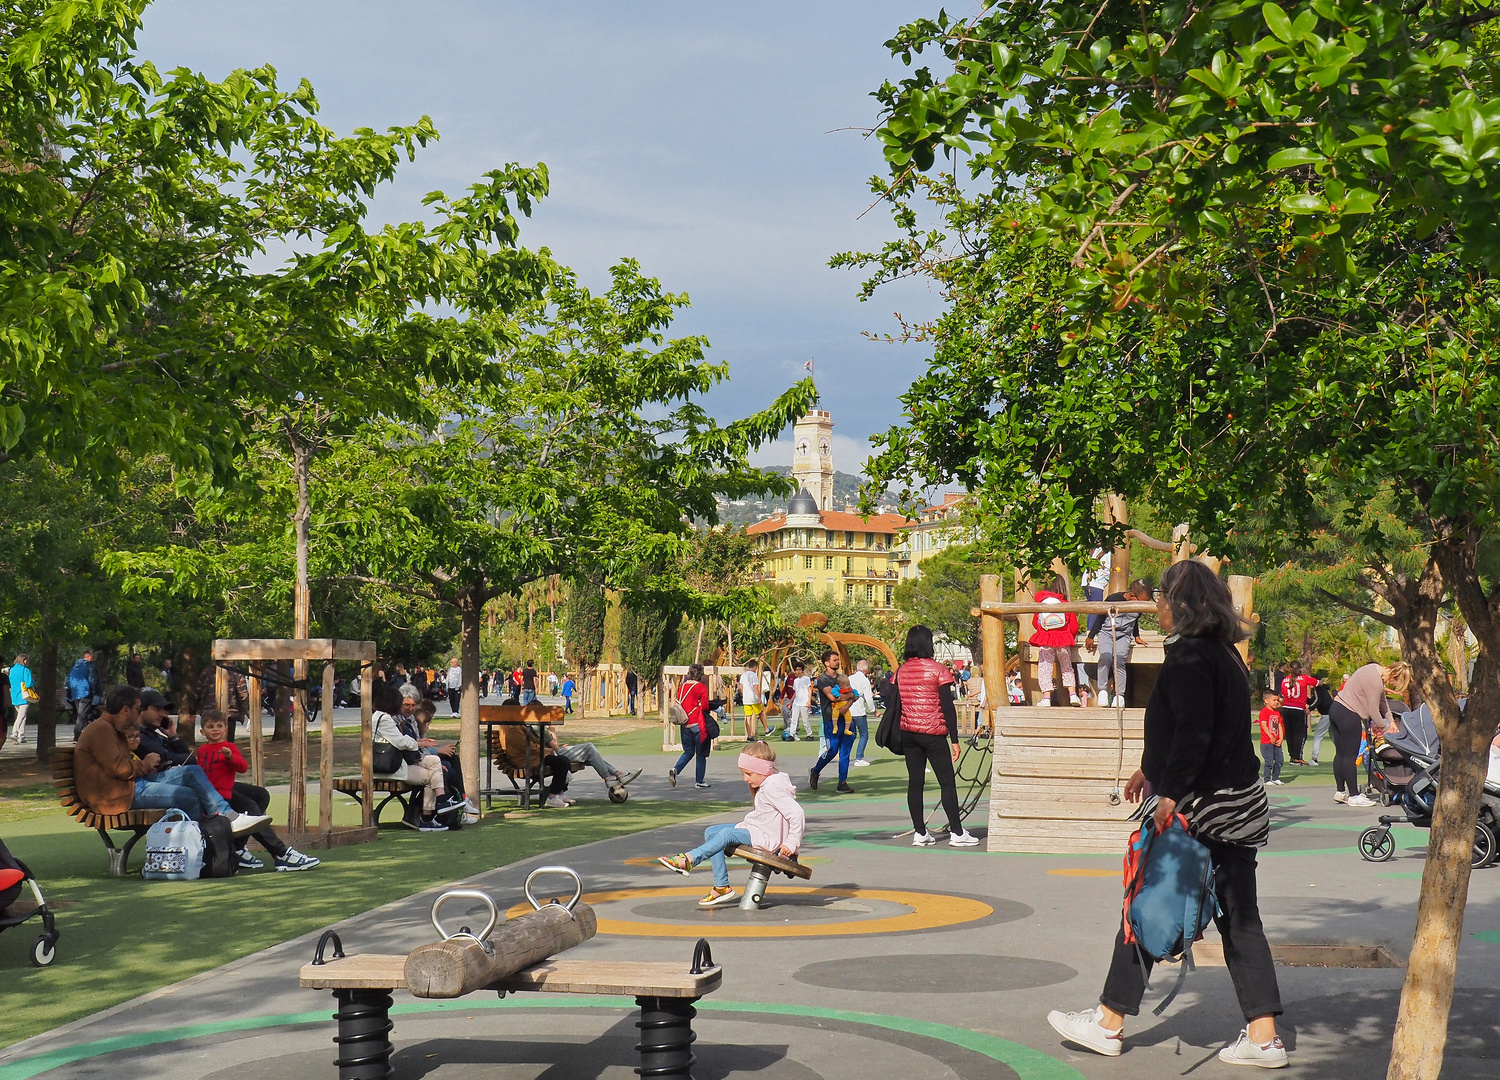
379 971
1054 770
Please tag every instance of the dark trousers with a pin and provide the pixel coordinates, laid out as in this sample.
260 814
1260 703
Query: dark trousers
1247 954
559 767
1347 728
1295 722
455 698
453 776
919 750
252 799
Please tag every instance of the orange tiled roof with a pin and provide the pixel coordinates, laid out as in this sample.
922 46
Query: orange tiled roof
838 521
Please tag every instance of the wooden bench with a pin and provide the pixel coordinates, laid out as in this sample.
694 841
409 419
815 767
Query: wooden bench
135 822
394 788
526 769
763 864
664 992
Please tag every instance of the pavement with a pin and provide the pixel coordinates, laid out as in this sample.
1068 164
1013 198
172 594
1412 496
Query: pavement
891 962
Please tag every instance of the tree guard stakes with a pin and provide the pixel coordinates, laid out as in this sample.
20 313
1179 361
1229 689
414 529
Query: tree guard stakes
260 651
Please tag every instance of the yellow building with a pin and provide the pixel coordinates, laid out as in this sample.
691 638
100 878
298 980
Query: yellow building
821 550
934 529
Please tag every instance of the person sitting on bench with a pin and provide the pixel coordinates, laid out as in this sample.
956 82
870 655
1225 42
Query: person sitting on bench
110 781
775 824
221 761
560 755
157 734
453 775
396 724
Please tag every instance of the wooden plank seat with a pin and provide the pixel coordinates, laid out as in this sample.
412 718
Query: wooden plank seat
524 767
135 822
664 992
763 864
393 788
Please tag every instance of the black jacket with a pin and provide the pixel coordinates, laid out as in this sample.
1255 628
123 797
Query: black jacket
1198 722
173 750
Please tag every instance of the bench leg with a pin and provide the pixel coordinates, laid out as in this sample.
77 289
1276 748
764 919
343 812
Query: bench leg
363 1040
119 858
755 888
667 1036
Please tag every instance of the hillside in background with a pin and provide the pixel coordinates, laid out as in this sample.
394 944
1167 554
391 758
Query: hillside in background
749 511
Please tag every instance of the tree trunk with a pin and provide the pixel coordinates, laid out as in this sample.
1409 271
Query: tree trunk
1427 993
471 615
46 706
301 598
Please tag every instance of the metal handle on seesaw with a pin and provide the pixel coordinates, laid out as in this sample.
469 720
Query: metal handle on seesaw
466 894
542 870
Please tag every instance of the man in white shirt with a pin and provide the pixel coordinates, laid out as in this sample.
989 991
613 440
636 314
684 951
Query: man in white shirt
455 684
750 697
801 704
862 709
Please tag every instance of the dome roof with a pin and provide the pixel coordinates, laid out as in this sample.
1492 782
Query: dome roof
802 503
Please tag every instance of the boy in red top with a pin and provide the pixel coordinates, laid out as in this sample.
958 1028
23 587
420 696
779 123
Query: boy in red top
1271 737
221 761
1295 689
1054 633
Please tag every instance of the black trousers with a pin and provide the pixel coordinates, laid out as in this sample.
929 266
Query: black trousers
252 799
1347 728
1295 722
455 698
1247 954
919 749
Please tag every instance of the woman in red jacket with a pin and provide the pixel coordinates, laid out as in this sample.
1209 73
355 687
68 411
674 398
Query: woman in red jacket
692 695
928 720
1053 635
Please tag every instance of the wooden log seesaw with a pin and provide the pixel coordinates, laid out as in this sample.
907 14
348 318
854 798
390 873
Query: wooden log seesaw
510 958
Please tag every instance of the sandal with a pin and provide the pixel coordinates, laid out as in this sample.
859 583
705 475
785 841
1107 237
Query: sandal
680 864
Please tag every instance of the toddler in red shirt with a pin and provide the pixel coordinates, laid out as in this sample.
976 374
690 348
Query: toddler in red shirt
222 761
1271 737
1053 635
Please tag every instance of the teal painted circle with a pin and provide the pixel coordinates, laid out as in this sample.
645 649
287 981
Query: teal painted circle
1028 1064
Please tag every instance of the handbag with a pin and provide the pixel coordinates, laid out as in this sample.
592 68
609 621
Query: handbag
387 758
30 694
888 734
174 848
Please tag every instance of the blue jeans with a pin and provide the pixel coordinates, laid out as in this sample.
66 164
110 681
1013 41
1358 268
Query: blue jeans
528 696
715 839
862 730
839 744
186 787
692 746
567 703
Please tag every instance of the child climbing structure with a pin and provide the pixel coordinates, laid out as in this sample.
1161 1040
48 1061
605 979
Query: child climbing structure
1059 773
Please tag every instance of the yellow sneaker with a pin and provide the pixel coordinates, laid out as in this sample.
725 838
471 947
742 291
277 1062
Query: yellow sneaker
718 897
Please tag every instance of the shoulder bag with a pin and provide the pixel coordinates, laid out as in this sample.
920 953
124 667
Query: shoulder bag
888 734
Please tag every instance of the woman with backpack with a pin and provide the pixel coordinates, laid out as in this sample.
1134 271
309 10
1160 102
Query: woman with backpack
692 695
1198 762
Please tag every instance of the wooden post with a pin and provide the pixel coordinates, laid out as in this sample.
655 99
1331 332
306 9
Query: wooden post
1182 545
1030 689
992 637
221 692
1242 591
257 752
297 813
325 754
367 743
1119 562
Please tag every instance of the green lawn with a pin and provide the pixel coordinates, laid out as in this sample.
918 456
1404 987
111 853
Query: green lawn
124 936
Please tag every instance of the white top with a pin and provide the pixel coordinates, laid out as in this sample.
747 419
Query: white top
802 692
860 683
1099 579
750 688
1493 776
455 678
765 684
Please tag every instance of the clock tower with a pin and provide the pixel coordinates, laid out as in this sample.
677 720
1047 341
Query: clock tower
812 456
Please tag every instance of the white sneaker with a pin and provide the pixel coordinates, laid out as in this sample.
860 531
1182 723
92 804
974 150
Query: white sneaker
923 839
963 839
469 807
1084 1029
557 803
1340 796
1246 1051
860 763
1046 702
240 823
1362 800
1118 702
471 819
1073 700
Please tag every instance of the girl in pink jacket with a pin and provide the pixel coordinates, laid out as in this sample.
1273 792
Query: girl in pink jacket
775 824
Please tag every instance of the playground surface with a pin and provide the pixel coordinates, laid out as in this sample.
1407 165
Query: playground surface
891 961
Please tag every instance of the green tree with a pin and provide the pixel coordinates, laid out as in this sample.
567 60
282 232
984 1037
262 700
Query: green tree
1224 257
948 590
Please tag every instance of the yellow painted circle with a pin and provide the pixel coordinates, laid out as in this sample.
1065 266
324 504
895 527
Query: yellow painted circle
649 861
929 910
1082 872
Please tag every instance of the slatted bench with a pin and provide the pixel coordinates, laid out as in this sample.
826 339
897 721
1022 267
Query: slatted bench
524 765
392 787
763 864
135 822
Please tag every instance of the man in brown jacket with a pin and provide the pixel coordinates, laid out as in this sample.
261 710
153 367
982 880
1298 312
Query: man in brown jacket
111 781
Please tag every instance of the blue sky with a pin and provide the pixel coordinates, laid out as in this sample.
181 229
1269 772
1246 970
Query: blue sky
696 137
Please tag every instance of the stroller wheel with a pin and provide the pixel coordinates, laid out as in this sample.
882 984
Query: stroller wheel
44 951
1376 845
1387 799
1484 846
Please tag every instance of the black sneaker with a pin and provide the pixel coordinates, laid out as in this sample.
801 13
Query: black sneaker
702 786
812 780
844 788
448 804
246 861
430 824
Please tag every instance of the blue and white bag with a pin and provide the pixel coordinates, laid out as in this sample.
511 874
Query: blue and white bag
174 849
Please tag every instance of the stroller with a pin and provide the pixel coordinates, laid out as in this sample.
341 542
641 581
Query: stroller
14 874
1405 771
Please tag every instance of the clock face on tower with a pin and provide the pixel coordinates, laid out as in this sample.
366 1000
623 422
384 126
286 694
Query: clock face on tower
824 446
802 447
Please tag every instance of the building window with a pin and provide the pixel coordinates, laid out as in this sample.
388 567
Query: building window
890 596
869 594
849 590
848 565
868 541
827 562
807 562
807 586
849 539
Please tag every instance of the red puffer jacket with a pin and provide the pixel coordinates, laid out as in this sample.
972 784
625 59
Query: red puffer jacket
920 682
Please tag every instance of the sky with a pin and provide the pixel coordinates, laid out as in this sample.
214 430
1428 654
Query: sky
697 137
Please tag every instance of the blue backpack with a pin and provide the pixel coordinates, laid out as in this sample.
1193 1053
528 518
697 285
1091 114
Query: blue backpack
1169 895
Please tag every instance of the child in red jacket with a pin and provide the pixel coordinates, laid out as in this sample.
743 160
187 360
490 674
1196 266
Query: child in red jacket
1053 635
221 760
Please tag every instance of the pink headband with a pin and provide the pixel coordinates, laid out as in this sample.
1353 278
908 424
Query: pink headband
750 763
